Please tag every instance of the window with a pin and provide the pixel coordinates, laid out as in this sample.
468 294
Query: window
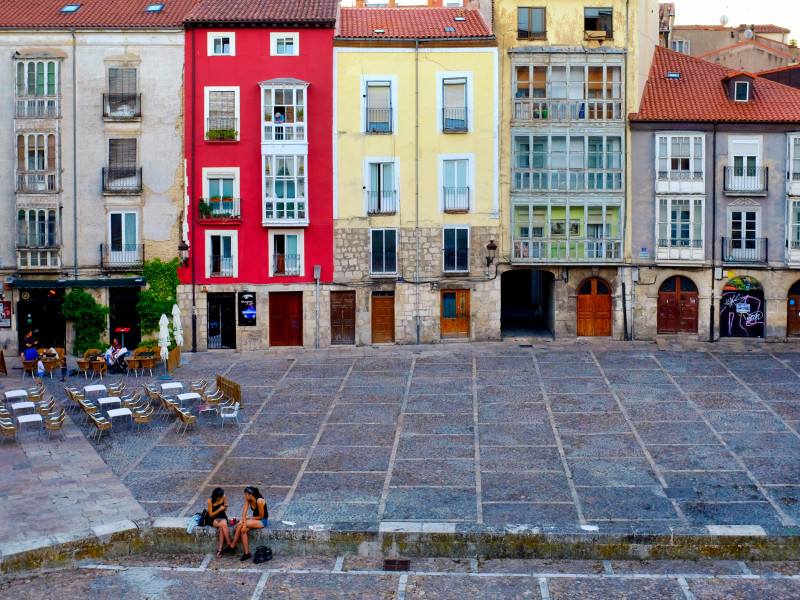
456 249
222 43
379 107
743 227
221 253
381 192
121 100
154 8
567 162
70 8
681 46
122 174
36 229
574 92
794 226
384 251
122 153
36 163
531 24
795 158
598 19
284 44
285 254
454 100
284 188
742 89
220 193
455 176
123 239
222 114
680 156
284 113
680 222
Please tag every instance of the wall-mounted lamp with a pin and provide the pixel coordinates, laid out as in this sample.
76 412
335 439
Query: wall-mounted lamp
491 248
183 253
565 275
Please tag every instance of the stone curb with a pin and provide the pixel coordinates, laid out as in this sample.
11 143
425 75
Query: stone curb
168 535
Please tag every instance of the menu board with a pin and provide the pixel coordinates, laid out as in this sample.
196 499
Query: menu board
5 314
247 309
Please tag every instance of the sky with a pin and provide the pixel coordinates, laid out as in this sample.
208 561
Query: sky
785 13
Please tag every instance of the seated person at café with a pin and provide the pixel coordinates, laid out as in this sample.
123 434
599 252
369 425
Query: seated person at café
30 353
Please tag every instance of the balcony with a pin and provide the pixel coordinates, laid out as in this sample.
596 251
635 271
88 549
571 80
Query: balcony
219 208
454 119
572 250
122 180
379 120
526 109
680 182
122 106
285 213
122 257
382 202
37 108
383 263
746 181
563 180
456 199
286 264
679 249
749 250
34 182
222 129
285 132
39 258
220 266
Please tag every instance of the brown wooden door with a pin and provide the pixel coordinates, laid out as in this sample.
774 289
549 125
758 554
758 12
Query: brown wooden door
677 306
793 310
594 308
455 314
382 317
286 318
343 318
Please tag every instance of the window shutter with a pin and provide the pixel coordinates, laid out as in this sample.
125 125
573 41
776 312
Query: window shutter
378 96
21 152
51 152
122 152
221 104
454 93
121 80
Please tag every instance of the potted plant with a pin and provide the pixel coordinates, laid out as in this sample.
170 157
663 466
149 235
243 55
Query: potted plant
205 209
221 135
299 114
268 117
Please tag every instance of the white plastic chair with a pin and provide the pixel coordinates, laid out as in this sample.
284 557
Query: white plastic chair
229 412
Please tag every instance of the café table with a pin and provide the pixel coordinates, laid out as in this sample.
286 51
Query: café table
120 412
22 406
172 385
22 420
11 394
108 401
188 396
97 387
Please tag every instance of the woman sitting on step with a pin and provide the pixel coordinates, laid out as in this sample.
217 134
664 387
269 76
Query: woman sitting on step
217 505
255 501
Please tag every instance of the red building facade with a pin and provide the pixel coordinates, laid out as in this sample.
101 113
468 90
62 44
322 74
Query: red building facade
259 215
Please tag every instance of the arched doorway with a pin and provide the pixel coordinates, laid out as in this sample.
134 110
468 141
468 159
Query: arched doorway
527 304
742 312
677 306
793 310
594 308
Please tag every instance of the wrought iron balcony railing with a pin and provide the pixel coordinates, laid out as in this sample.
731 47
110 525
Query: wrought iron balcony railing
220 208
222 129
456 199
220 266
286 264
572 250
381 202
122 106
454 119
379 120
746 180
747 250
122 257
122 180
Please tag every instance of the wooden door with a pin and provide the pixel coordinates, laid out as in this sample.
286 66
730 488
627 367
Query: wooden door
286 318
677 306
455 314
793 310
382 317
594 308
343 318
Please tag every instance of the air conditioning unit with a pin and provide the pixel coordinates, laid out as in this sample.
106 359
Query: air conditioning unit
594 35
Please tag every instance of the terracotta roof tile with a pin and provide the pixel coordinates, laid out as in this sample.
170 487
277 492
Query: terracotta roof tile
410 23
264 11
94 13
699 94
773 50
779 69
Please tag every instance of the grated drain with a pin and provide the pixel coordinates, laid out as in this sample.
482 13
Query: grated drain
396 564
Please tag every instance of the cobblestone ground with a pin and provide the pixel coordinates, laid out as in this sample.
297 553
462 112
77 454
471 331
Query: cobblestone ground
624 438
300 578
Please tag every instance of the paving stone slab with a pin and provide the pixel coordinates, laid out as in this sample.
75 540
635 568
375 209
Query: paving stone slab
692 458
259 472
321 513
513 412
598 446
514 434
612 472
736 513
367 434
690 432
350 458
436 446
440 404
750 421
629 589
681 411
266 445
513 459
611 422
625 503
455 472
340 487
431 504
530 486
372 413
582 403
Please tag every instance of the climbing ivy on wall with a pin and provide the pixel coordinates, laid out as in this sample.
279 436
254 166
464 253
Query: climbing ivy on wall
160 294
90 320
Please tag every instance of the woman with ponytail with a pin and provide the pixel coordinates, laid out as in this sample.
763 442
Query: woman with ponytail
255 501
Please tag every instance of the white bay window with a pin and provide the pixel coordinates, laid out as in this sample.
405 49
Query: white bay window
285 190
679 229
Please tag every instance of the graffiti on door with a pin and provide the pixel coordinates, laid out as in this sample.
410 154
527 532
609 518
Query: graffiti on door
742 311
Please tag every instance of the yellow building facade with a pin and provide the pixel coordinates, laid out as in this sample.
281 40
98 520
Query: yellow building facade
416 199
570 73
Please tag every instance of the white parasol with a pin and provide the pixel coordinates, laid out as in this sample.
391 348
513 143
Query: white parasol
163 336
177 327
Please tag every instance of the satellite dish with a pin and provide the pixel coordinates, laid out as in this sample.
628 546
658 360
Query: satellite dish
723 20
748 34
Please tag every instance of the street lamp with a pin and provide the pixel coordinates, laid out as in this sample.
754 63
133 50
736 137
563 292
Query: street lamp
183 253
491 248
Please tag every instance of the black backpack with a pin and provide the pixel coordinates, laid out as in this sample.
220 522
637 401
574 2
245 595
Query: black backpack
262 554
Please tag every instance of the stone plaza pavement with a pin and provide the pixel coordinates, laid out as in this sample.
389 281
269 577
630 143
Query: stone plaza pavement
597 436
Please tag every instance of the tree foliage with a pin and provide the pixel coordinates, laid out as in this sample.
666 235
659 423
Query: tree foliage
90 319
160 295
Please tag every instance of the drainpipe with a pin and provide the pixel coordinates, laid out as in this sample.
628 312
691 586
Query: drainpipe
416 184
74 151
713 227
625 184
191 211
